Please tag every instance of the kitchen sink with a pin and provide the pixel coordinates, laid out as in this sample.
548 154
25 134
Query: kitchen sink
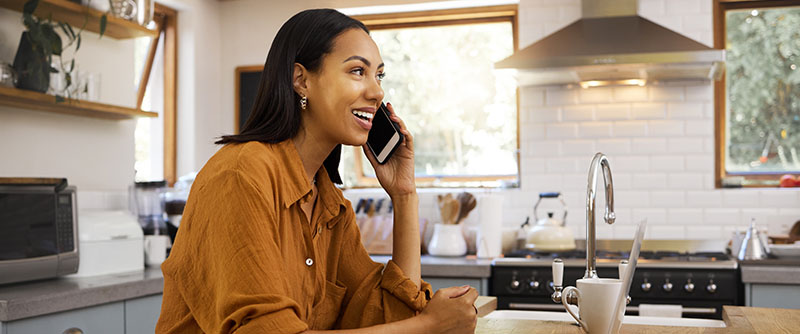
632 320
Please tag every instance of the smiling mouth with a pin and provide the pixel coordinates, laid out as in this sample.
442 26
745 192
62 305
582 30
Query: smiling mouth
363 115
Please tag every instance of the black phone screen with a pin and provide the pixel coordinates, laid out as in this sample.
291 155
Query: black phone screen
381 134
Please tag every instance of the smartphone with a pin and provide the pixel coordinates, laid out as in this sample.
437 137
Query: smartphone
384 136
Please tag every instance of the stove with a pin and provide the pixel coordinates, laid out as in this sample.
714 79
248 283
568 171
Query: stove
702 282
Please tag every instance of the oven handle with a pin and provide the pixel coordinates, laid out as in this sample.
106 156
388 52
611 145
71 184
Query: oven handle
554 307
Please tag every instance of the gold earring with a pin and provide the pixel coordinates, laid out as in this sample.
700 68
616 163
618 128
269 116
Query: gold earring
303 102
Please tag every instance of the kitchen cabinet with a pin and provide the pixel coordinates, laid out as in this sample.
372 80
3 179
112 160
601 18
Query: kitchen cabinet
141 314
772 295
106 318
481 284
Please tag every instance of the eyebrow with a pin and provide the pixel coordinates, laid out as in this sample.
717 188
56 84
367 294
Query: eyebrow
362 59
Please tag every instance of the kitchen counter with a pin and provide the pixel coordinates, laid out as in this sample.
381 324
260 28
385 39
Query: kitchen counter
737 320
465 267
30 299
771 271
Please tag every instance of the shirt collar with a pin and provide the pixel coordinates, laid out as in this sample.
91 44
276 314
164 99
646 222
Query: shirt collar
297 186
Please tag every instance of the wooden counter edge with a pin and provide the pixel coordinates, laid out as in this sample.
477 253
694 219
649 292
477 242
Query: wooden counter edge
485 305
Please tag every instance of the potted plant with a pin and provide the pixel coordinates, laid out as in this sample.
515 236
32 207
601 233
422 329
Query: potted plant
38 45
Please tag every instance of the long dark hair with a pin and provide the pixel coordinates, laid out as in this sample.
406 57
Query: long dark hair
304 39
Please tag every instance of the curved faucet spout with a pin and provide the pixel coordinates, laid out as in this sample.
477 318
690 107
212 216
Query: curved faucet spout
599 161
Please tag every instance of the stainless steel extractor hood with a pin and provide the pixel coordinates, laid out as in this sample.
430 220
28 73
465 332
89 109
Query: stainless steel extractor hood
612 45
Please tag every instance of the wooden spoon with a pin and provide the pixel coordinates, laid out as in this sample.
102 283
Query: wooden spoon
467 203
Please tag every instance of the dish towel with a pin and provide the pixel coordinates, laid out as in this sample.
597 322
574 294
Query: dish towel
653 310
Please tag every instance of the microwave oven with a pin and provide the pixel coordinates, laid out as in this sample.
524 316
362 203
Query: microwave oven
38 229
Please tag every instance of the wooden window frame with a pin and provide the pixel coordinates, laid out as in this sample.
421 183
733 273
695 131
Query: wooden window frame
720 7
166 20
432 18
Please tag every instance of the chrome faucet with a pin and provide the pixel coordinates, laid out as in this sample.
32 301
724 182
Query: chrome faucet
599 160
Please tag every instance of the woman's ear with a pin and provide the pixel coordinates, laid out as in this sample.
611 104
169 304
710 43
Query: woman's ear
300 79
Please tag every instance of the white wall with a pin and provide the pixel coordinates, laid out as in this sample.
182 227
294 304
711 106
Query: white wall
93 154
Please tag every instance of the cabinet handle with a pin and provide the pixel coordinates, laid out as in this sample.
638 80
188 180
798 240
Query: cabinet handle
72 330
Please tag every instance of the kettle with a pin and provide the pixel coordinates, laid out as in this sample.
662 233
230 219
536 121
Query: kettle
753 247
550 234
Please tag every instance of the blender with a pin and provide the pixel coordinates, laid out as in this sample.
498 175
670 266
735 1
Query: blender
147 203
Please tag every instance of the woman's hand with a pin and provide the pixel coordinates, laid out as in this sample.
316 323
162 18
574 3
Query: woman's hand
396 176
452 310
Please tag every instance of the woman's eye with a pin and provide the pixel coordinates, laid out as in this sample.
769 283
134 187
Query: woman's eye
358 71
381 76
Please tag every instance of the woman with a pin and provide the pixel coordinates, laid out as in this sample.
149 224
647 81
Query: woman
267 243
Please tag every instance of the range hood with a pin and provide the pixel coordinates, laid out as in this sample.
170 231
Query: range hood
612 45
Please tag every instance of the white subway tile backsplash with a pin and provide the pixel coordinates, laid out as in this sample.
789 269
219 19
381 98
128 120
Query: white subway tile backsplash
560 97
697 23
561 165
545 149
739 198
721 216
663 128
682 7
653 216
630 128
700 128
704 232
531 96
668 199
685 145
703 199
649 146
650 181
534 165
622 181
578 147
700 93
544 114
685 110
685 216
614 147
594 129
630 94
536 182
595 95
579 113
666 93
667 163
699 163
780 198
613 112
624 231
709 145
760 215
575 182
648 110
632 199
693 181
651 8
629 164
561 130
666 232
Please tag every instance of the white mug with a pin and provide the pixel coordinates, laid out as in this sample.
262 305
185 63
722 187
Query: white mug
155 249
596 304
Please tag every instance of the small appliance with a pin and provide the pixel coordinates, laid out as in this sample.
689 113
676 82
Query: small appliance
38 229
111 242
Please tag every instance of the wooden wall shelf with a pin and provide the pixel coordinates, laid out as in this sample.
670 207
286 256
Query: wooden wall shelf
31 100
74 15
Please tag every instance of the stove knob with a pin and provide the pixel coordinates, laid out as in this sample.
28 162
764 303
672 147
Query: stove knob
646 286
533 285
711 287
689 286
515 284
667 286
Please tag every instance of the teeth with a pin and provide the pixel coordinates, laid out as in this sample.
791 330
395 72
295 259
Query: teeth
362 114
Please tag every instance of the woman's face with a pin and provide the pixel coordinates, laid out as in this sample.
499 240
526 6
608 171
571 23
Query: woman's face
345 92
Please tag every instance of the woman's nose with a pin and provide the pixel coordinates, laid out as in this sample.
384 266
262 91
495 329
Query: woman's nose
374 91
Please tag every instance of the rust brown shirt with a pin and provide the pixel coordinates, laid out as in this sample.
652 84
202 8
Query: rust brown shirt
246 260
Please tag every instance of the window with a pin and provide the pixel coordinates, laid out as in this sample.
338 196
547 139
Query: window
758 102
441 78
155 138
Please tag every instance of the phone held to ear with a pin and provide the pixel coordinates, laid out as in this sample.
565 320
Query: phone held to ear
384 136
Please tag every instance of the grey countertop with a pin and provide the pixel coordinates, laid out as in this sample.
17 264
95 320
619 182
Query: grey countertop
30 299
771 271
464 267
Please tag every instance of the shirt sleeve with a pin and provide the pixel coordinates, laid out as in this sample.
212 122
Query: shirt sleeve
376 294
225 261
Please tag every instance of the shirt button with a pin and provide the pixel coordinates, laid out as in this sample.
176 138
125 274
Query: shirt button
309 262
319 229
